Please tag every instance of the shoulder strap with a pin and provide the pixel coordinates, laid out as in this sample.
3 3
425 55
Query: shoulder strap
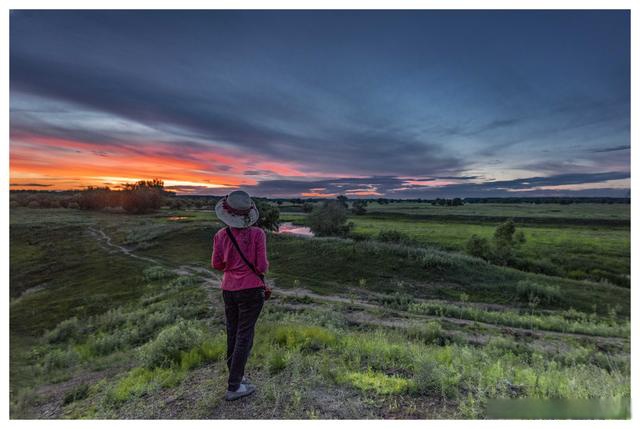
246 261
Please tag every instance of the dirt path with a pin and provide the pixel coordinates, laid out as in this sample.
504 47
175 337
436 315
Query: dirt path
104 238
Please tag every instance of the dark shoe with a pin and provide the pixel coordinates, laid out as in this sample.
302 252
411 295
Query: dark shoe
243 390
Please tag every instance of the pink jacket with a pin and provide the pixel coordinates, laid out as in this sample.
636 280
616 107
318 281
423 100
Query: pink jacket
253 242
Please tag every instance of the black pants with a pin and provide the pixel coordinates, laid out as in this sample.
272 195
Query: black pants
241 309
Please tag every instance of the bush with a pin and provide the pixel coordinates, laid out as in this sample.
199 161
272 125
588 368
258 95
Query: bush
431 377
95 198
478 247
65 331
358 207
156 272
170 343
546 293
33 205
277 361
76 394
104 344
428 332
269 216
393 236
329 219
141 200
57 359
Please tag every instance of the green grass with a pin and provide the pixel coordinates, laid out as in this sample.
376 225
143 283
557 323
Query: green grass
563 211
132 339
595 252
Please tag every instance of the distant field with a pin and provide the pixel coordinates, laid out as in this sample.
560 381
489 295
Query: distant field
574 250
571 211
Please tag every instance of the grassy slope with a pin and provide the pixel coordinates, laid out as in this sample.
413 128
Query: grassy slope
345 368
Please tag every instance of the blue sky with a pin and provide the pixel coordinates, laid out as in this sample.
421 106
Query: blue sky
402 104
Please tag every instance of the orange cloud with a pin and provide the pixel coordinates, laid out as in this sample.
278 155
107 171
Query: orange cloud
65 164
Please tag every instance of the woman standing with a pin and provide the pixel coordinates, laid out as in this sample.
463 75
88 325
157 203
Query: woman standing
240 251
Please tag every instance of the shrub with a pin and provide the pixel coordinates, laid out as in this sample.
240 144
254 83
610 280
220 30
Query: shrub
478 247
277 361
64 331
358 207
111 319
546 293
393 236
140 200
58 358
168 346
76 394
432 377
33 205
95 198
269 218
156 272
329 219
103 344
437 261
377 351
428 332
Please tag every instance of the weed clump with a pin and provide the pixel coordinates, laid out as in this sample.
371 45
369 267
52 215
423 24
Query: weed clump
548 294
208 351
66 330
277 361
430 332
166 350
78 393
377 382
58 358
140 381
156 272
431 377
304 337
393 236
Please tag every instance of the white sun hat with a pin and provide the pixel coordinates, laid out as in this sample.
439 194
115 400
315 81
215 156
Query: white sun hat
237 210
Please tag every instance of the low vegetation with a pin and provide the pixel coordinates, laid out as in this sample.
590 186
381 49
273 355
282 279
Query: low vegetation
390 326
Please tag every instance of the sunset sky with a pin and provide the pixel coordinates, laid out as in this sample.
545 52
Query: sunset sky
402 104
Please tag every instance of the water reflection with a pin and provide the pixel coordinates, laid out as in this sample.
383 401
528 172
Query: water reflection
177 217
290 228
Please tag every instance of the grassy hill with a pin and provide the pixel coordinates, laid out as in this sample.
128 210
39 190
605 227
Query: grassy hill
120 316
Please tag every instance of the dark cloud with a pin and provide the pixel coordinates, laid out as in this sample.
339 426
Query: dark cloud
396 187
612 149
216 119
30 184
